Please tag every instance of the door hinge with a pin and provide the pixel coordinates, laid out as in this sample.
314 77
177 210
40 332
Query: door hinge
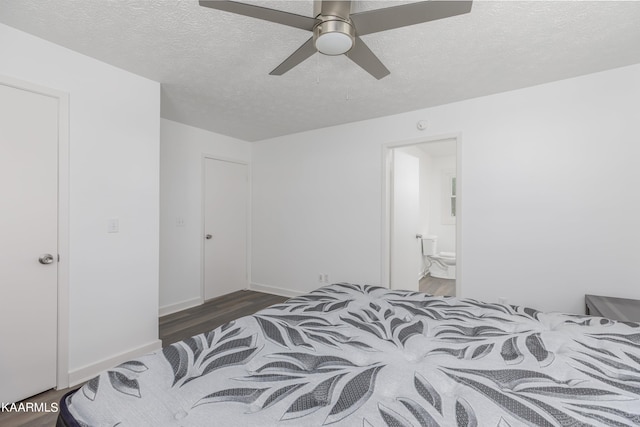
58 257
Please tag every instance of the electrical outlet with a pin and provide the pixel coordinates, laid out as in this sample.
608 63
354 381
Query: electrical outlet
323 278
179 221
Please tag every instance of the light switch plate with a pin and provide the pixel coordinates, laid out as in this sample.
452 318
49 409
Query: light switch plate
113 225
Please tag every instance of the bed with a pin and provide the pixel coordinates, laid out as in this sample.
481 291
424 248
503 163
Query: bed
359 355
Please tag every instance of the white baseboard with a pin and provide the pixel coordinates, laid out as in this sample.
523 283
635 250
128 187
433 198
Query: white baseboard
258 287
85 373
179 306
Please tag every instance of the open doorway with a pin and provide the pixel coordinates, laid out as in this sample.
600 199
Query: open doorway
422 208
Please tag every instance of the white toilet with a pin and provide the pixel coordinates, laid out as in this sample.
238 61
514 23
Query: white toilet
441 265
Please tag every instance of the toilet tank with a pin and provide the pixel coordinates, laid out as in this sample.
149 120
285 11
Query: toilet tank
429 245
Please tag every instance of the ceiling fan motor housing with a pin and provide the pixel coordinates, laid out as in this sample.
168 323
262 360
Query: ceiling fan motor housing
333 35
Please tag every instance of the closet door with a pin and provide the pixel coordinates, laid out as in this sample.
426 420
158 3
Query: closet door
225 227
28 242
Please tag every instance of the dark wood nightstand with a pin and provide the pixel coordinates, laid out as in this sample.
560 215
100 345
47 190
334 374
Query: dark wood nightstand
624 309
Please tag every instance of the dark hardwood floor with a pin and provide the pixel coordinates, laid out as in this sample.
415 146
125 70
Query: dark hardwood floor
173 327
213 313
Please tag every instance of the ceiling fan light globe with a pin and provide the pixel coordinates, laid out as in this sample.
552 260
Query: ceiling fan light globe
334 43
333 36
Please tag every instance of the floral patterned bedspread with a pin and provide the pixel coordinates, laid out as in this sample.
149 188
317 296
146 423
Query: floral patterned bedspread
358 355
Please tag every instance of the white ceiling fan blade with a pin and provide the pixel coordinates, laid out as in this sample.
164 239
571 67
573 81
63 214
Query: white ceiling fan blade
377 20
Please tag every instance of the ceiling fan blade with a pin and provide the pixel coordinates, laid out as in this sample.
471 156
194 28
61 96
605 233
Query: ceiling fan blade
374 21
303 52
271 15
362 55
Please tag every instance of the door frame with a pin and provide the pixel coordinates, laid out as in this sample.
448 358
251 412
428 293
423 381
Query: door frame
387 149
203 214
62 354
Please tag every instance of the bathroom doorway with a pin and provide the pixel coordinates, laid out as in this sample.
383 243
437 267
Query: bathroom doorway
422 209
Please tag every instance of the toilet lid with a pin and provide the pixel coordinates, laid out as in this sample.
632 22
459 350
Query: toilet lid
447 254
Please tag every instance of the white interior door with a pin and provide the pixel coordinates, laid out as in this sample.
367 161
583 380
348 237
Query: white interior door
28 230
405 251
225 226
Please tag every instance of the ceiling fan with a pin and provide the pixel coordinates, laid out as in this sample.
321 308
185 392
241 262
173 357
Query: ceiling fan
337 31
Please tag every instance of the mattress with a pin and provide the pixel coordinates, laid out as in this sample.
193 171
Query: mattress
358 355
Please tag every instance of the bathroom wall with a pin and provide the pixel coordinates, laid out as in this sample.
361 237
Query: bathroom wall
434 162
446 232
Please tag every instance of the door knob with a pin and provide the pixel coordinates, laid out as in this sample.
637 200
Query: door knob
208 236
46 259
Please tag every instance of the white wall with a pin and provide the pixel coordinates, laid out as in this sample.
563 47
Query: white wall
425 185
315 209
181 151
426 162
446 232
114 149
432 168
425 203
549 209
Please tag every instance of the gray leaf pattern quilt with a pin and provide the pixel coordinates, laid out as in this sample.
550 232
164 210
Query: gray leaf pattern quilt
359 355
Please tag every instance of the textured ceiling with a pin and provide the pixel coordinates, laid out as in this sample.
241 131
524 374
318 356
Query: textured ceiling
214 65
